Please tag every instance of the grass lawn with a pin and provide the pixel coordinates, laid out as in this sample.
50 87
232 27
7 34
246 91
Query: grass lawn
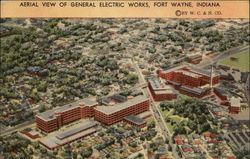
242 63
175 118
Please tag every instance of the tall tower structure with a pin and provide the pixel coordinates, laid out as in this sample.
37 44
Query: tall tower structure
211 77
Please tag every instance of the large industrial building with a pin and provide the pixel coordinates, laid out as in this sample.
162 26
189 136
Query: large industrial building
112 114
189 80
53 119
159 91
108 114
67 136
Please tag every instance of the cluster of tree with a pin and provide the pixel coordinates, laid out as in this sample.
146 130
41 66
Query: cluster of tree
105 144
149 135
131 79
51 26
14 144
8 93
117 47
203 24
199 118
16 57
86 153
106 63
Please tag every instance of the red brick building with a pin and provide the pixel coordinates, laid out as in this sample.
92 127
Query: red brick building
188 76
194 92
112 114
220 93
67 136
53 119
135 121
234 107
160 92
188 80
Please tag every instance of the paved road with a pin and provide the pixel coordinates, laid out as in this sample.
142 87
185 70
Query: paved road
18 127
156 113
222 55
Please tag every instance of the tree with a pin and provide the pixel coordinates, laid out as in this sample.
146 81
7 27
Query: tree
131 79
133 144
42 108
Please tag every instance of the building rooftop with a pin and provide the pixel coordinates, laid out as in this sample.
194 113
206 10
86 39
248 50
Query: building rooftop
76 130
195 56
167 91
172 82
235 102
192 69
242 115
197 91
105 101
221 91
159 88
228 76
144 114
120 106
50 114
135 119
187 73
53 142
119 98
155 84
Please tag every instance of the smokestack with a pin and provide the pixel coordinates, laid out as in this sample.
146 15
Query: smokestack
211 77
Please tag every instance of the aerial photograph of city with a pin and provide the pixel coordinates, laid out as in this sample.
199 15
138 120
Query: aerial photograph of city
124 88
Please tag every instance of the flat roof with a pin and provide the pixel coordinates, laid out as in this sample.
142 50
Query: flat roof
167 91
221 91
172 82
50 114
188 73
235 102
135 119
119 97
228 76
76 130
105 101
194 56
53 141
121 106
160 88
192 69
144 114
242 115
155 83
197 91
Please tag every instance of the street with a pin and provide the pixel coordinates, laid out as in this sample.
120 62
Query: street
18 127
156 113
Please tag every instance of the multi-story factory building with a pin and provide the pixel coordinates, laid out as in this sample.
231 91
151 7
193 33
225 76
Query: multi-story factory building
188 80
108 114
112 114
159 91
53 119
188 76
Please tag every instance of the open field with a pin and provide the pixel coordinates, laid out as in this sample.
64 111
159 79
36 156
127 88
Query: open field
240 62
